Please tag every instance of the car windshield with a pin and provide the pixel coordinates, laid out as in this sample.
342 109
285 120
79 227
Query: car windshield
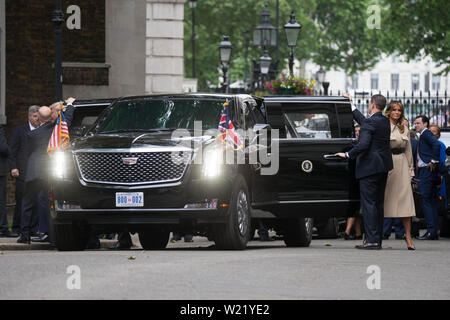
161 114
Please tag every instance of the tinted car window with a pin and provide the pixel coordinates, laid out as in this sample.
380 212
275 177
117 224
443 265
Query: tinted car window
154 114
309 125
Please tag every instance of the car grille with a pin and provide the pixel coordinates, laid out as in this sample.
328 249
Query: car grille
150 167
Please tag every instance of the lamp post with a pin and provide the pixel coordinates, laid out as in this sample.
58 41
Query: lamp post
225 48
292 29
264 62
247 79
321 78
193 5
57 19
265 34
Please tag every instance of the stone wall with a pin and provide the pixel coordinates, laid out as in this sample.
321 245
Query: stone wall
164 46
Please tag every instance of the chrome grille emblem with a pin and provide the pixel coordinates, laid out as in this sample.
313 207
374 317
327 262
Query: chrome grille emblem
129 161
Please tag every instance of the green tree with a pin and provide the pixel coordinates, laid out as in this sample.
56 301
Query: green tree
416 27
346 40
217 18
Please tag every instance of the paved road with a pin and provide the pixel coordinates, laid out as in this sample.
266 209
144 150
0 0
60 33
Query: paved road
329 269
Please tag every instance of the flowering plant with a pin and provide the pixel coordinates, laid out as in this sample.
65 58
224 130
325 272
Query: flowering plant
290 85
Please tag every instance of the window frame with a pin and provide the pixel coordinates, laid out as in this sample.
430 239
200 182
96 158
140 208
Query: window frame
374 77
397 81
415 76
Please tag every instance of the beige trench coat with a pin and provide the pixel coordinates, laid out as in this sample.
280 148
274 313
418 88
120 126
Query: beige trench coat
399 200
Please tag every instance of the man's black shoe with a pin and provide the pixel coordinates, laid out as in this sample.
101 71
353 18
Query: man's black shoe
23 239
9 234
266 238
369 246
428 236
120 246
400 237
386 237
35 234
43 238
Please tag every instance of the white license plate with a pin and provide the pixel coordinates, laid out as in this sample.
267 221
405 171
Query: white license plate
129 199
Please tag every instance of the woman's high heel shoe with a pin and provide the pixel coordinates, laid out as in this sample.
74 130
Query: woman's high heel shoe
409 248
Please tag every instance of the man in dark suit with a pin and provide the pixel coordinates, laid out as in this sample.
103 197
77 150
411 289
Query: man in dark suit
373 162
18 164
428 167
36 176
4 154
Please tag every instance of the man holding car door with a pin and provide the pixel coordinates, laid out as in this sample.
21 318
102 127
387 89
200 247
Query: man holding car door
373 162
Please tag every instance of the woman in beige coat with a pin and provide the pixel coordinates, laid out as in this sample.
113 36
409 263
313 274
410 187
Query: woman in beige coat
399 200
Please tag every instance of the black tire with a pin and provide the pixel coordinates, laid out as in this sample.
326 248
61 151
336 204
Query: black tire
235 234
298 232
69 237
330 230
154 238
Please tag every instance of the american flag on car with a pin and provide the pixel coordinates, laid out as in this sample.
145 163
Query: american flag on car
60 136
228 134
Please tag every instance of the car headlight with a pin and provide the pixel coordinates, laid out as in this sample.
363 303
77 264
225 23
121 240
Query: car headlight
212 163
59 165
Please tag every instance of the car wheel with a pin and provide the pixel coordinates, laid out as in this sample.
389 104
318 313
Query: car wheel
69 237
330 230
154 238
235 234
298 232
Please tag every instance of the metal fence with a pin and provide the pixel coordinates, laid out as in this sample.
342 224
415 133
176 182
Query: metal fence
434 106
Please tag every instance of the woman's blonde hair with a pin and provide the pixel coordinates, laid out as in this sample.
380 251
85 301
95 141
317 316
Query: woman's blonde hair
390 107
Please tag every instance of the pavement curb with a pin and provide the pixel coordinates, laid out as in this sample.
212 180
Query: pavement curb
13 246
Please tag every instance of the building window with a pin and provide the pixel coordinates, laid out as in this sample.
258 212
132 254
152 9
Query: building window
395 58
374 81
436 83
355 81
394 81
415 82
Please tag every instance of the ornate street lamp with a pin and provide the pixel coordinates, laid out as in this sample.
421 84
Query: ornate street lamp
58 19
265 34
292 29
225 48
264 62
193 5
321 79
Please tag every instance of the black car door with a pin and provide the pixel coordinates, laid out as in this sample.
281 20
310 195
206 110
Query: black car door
310 182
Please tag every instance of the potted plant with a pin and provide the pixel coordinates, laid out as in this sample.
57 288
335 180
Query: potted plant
288 85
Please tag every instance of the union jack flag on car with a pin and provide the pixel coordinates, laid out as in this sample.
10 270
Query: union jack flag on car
228 134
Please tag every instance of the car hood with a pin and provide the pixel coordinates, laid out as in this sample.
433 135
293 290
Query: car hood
138 140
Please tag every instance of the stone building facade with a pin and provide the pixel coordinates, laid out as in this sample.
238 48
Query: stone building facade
111 48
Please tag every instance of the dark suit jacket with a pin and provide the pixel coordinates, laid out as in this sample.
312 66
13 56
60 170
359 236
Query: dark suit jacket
38 159
429 147
372 152
4 152
19 150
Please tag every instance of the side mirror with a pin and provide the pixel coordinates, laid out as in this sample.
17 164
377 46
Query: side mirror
260 126
78 131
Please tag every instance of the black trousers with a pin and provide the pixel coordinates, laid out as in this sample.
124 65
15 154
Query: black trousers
35 197
372 190
19 192
3 215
